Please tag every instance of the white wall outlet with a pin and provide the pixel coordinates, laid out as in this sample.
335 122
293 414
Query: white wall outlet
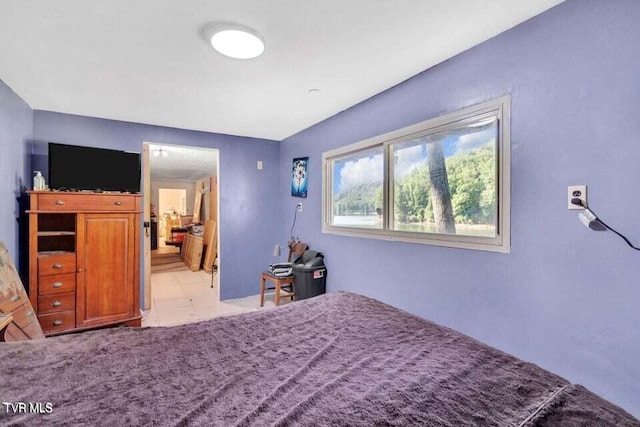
259 165
579 192
299 207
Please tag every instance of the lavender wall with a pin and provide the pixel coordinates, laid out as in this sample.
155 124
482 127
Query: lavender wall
247 208
16 132
565 297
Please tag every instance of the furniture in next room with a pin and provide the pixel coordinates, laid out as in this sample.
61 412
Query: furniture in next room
17 315
168 221
154 233
84 259
210 241
282 286
350 361
176 237
201 250
186 220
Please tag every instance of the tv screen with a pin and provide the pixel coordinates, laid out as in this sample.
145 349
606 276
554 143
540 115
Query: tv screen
73 167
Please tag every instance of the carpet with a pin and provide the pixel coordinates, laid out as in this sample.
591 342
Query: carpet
162 263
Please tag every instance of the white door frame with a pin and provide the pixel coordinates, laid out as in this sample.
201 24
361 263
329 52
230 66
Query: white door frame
146 173
146 176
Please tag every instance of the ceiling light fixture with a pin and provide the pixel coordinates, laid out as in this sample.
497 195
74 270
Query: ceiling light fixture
234 40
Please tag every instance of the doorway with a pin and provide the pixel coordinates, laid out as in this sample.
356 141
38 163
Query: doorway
181 196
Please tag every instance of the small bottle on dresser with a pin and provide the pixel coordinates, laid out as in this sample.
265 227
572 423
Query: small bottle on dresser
38 181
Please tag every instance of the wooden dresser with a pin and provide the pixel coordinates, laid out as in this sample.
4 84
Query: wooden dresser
21 323
84 259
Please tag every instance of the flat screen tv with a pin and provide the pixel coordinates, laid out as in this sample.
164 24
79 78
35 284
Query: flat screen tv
77 168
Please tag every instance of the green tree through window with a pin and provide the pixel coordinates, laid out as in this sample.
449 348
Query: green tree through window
444 181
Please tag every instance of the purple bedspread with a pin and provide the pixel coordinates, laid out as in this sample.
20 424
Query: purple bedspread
339 359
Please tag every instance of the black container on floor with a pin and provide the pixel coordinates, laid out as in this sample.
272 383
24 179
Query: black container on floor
310 275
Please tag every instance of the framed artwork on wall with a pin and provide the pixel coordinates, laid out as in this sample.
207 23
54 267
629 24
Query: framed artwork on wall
300 177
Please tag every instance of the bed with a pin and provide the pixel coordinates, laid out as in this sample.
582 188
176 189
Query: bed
339 359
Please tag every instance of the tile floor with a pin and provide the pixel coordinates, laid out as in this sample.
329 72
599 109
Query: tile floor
186 296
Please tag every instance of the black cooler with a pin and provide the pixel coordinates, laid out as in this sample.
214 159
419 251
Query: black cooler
310 275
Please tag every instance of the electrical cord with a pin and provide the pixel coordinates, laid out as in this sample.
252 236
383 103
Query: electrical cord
295 215
577 201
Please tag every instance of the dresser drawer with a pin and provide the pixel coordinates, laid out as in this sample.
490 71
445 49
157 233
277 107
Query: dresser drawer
56 263
55 303
33 330
12 294
57 321
24 315
25 318
56 284
13 333
12 297
78 202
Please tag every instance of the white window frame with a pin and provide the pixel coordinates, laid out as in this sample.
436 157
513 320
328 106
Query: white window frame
501 109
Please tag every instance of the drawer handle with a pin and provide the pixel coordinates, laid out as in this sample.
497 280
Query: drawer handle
59 202
118 203
57 265
57 322
56 304
57 285
15 298
30 313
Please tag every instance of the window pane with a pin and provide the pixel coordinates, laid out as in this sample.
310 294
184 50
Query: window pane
446 182
357 192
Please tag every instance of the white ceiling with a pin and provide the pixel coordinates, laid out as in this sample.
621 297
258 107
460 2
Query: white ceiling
146 61
181 163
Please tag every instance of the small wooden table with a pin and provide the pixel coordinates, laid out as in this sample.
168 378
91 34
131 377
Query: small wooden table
177 237
283 287
178 244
